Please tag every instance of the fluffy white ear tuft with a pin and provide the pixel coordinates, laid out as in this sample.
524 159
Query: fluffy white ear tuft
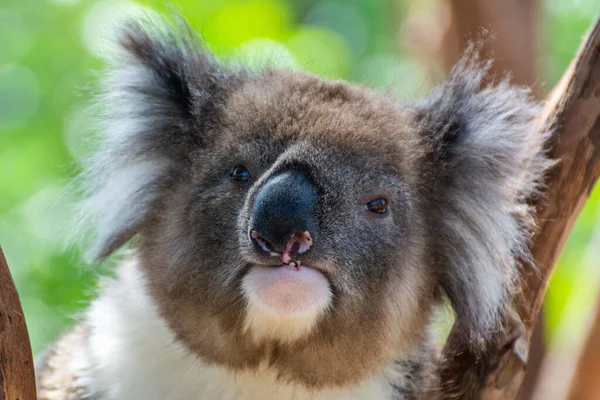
489 160
160 88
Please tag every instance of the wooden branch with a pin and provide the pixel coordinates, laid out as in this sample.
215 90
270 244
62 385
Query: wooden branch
573 109
17 378
536 359
514 26
585 384
442 35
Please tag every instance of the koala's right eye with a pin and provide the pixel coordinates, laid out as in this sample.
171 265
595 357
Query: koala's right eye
240 174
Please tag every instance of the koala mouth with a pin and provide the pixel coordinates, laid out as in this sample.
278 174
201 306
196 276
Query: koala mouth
289 289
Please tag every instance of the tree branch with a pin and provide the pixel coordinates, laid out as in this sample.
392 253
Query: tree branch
585 383
514 25
17 378
573 109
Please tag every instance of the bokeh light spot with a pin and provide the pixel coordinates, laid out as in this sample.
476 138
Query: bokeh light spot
64 3
344 18
101 19
17 38
19 97
405 78
320 51
237 22
258 53
45 215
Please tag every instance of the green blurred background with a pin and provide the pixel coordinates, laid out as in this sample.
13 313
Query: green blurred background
49 58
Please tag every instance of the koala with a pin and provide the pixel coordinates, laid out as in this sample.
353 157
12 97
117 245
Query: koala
290 237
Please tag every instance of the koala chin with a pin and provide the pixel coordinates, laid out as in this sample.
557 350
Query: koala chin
293 235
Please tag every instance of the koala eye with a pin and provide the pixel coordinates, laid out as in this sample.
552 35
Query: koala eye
377 206
240 174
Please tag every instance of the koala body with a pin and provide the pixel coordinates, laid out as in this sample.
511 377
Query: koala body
100 359
293 234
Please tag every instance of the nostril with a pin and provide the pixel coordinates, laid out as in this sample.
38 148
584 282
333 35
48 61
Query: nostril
299 243
262 243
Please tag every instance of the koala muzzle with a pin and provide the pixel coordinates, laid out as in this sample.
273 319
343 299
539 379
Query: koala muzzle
283 214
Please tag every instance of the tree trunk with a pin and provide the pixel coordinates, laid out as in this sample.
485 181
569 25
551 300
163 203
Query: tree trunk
17 378
573 110
585 384
513 26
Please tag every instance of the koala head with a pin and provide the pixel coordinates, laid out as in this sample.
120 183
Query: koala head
309 224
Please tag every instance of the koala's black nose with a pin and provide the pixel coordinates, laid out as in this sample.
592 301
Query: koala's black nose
283 206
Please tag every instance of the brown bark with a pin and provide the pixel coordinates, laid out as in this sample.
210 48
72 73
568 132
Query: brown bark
537 355
512 41
573 109
17 379
585 384
510 30
513 26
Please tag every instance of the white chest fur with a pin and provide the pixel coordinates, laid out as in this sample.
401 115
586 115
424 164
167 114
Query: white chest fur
135 356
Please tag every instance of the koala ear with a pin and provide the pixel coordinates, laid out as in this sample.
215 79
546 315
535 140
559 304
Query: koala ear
487 158
154 104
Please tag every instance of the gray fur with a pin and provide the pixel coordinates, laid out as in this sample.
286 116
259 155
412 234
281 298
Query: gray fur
150 107
458 169
488 163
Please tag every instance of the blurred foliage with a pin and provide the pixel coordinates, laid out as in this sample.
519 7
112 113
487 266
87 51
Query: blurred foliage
50 49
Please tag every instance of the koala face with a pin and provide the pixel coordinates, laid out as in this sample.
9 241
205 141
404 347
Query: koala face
299 168
305 224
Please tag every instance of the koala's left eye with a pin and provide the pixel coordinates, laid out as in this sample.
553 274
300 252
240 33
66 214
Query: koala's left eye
240 174
377 206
